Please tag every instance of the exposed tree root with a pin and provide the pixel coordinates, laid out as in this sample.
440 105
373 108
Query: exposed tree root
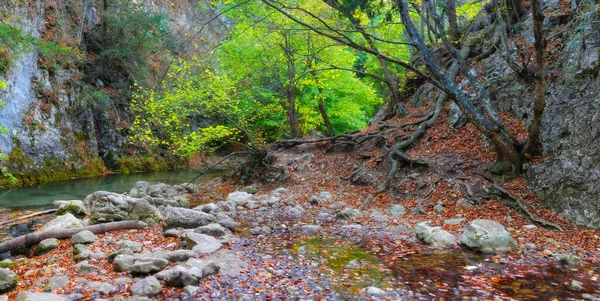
29 239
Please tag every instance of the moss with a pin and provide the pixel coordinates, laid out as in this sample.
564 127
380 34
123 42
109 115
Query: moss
11 264
71 208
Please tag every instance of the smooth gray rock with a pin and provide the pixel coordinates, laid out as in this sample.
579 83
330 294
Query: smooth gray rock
434 236
374 291
47 245
85 268
29 296
140 189
148 287
147 265
250 189
228 223
213 229
177 276
228 261
81 252
397 210
190 289
252 205
123 262
109 207
186 218
56 282
348 213
210 269
351 227
128 244
172 232
311 229
104 288
455 221
179 255
8 280
568 258
487 236
202 243
84 237
325 195
208 208
113 255
65 221
240 197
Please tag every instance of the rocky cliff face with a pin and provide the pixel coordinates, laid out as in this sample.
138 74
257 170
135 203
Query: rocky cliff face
52 134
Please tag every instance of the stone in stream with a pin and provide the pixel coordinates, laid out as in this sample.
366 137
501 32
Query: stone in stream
487 236
215 230
148 287
46 246
140 189
65 221
128 244
84 237
434 236
202 243
8 280
29 296
56 282
186 218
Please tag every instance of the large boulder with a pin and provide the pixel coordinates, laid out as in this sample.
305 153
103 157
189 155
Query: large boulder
178 276
84 237
47 245
202 243
109 207
140 189
148 287
434 236
8 280
240 197
487 236
29 296
186 218
65 221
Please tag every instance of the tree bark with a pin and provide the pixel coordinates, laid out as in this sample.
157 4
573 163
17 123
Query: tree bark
452 22
29 239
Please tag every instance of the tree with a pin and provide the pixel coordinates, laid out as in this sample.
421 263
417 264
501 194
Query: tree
452 21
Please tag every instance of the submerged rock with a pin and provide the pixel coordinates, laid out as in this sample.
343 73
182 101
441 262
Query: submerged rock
487 236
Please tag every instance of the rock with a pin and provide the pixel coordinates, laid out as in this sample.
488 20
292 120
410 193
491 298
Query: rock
587 296
126 251
438 208
208 208
8 280
576 285
256 231
302 250
128 244
351 227
210 269
179 255
294 211
434 236
301 162
140 189
464 203
215 230
348 213
147 265
173 232
228 261
104 288
379 217
397 210
228 223
311 229
202 243
456 118
85 268
56 282
65 221
81 252
123 262
190 289
529 227
135 298
325 195
240 197
177 276
46 246
109 207
315 200
252 205
186 218
77 209
28 296
374 291
148 287
487 236
455 221
250 189
567 258
84 237
280 192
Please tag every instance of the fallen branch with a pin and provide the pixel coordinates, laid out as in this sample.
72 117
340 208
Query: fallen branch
32 238
28 216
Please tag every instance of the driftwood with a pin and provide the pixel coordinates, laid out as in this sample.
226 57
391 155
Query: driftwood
33 238
28 216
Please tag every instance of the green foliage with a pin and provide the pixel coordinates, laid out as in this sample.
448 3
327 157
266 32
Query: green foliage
58 56
12 41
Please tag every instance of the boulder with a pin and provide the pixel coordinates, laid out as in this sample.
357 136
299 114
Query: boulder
84 237
178 255
85 268
123 262
177 276
104 288
29 296
487 236
128 244
240 197
140 189
397 210
311 229
47 245
228 223
208 208
148 287
109 207
185 218
202 243
74 207
113 255
348 213
8 280
65 221
215 230
56 282
190 289
434 236
147 265
250 189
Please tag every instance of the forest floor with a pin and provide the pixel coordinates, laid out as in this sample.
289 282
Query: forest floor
272 257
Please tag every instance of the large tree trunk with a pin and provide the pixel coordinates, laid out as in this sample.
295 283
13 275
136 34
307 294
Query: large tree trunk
29 239
452 22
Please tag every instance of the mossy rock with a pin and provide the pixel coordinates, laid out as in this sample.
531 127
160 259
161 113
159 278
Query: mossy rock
77 211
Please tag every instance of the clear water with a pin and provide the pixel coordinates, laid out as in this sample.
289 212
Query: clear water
42 196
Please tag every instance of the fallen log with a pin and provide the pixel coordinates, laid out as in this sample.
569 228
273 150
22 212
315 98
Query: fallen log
36 237
28 216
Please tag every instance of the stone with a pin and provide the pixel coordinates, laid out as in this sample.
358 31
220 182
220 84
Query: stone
311 229
101 287
82 252
208 208
178 255
56 282
177 276
325 195
240 197
256 231
126 251
250 189
374 291
487 236
147 265
228 223
438 208
109 207
202 243
190 289
173 232
148 287
576 285
528 227
348 213
132 245
215 230
186 218
228 261
65 221
74 207
252 205
379 217
434 236
210 269
280 192
123 262
29 296
85 268
301 162
567 258
84 237
351 227
140 189
456 118
455 221
397 210
8 280
47 245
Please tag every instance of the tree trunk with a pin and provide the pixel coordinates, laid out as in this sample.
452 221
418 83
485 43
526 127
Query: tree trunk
452 22
29 239
533 145
322 109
